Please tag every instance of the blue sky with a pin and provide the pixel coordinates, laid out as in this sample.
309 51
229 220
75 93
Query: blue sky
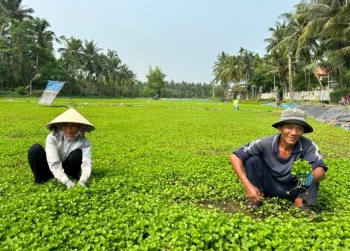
182 37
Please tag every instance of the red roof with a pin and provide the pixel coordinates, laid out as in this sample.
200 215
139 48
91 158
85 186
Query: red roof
320 71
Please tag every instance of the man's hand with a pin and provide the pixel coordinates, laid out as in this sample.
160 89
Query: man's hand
253 194
69 184
305 179
82 183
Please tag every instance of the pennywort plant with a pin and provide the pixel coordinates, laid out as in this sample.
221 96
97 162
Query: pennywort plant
301 167
300 170
161 181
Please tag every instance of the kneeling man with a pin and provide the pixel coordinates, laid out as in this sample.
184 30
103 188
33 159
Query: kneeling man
264 165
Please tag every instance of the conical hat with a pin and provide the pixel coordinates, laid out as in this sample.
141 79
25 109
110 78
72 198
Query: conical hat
71 116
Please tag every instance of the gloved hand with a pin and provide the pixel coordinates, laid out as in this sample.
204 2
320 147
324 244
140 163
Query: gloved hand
82 183
69 184
305 179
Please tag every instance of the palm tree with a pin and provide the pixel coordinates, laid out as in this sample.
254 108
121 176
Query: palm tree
277 35
218 70
128 78
71 54
91 60
226 70
336 45
320 15
248 63
276 59
277 64
13 9
112 64
292 43
44 38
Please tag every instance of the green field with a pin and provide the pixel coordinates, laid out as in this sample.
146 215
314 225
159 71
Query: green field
161 180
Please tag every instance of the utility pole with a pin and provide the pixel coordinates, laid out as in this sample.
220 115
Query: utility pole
290 76
213 89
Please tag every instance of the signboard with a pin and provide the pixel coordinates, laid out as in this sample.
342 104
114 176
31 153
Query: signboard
50 92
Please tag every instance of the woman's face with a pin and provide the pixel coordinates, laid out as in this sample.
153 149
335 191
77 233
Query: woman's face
70 129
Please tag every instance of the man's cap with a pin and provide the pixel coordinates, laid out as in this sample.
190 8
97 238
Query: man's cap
294 116
71 116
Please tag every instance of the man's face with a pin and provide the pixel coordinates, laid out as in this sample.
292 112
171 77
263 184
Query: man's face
70 129
291 133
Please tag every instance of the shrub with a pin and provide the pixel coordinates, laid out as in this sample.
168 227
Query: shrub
37 93
6 93
21 91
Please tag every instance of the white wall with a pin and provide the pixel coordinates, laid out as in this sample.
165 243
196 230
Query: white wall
319 95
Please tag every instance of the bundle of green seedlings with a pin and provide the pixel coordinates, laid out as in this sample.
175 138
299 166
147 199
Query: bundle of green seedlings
300 169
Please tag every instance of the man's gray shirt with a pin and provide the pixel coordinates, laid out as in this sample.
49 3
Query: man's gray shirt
280 168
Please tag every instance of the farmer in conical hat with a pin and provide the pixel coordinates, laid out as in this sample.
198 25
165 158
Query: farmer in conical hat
68 151
264 165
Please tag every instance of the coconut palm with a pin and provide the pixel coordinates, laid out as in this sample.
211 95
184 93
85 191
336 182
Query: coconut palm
71 62
294 45
249 61
336 44
329 31
112 64
91 60
318 13
128 78
277 35
226 70
71 55
44 38
13 9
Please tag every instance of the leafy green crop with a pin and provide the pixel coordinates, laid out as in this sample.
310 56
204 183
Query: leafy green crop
301 167
161 181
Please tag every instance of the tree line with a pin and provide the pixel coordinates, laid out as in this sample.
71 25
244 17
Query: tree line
313 37
315 34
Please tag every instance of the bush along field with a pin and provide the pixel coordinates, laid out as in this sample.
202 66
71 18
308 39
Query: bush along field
161 180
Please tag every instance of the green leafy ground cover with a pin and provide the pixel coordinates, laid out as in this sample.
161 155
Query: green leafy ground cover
161 181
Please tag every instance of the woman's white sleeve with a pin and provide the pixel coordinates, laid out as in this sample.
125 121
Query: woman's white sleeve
53 159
